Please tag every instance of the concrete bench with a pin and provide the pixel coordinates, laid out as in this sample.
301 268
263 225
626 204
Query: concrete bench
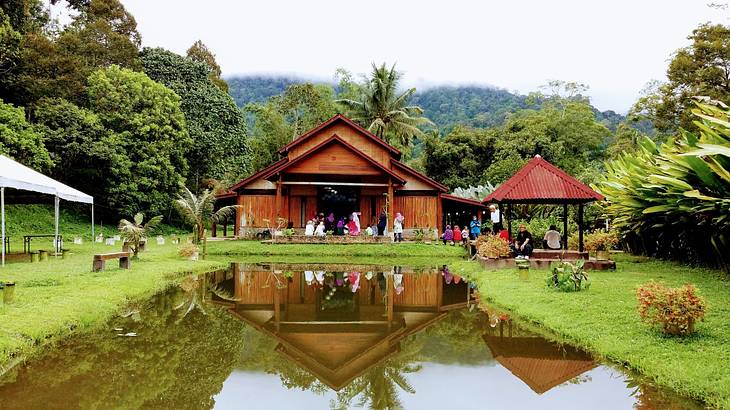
100 260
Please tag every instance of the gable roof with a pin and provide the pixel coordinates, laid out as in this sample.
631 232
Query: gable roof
424 178
334 139
467 201
539 363
336 118
542 182
255 176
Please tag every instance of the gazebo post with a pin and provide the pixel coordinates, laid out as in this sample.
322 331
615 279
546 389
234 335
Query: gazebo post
565 226
509 221
580 227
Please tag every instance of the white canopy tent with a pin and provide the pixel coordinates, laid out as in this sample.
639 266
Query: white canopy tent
18 176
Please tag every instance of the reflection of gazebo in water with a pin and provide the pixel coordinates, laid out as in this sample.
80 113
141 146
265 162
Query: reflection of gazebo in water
539 363
341 343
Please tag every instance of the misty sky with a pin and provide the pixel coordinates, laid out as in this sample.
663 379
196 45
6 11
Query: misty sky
615 47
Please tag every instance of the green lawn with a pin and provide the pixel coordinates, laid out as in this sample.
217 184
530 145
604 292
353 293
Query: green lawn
58 297
604 320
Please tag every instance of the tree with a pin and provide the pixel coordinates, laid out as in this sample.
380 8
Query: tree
202 54
284 117
213 121
134 232
19 141
9 52
701 69
671 200
383 111
102 34
461 158
148 127
199 211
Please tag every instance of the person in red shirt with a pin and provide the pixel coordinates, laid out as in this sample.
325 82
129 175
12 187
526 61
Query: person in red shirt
457 234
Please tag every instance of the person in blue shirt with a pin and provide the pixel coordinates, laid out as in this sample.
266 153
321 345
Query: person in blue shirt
475 227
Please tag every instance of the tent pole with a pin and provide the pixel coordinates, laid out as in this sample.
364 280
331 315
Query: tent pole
565 226
92 223
55 238
2 210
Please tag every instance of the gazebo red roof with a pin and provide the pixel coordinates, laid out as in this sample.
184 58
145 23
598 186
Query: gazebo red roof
542 182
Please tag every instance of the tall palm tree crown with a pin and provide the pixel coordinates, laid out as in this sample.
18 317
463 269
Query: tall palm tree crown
383 111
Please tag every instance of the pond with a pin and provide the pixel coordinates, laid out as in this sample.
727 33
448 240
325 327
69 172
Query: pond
276 335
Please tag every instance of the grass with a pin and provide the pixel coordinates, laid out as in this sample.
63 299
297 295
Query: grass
60 297
246 248
604 320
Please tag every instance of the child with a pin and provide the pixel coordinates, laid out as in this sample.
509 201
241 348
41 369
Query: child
309 231
369 231
457 234
448 236
464 235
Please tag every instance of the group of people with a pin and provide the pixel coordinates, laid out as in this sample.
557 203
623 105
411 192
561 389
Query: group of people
352 280
350 225
524 244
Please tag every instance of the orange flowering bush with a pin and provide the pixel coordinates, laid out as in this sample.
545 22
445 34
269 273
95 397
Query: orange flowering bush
675 309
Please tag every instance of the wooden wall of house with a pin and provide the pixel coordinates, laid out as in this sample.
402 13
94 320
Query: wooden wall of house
256 208
349 134
334 159
419 211
301 209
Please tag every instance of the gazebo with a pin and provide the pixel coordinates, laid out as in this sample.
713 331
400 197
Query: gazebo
540 182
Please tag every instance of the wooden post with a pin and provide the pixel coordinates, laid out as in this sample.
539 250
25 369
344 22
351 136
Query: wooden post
565 226
390 204
509 221
439 214
580 227
277 306
277 204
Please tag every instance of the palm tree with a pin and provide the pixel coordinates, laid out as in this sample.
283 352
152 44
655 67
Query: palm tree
384 112
134 231
199 210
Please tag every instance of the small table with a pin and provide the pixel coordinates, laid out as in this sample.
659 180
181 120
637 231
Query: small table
27 239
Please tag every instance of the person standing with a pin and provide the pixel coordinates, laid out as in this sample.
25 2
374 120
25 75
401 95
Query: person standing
457 234
398 227
382 223
475 227
496 218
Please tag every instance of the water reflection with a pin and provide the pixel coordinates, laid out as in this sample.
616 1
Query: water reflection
314 336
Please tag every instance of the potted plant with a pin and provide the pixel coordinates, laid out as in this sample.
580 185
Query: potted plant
676 310
601 243
190 251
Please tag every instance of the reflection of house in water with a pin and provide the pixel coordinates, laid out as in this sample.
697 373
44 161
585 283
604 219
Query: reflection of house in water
333 332
539 363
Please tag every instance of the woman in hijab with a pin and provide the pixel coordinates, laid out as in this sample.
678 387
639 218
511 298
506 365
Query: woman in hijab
329 222
340 230
398 227
355 228
382 223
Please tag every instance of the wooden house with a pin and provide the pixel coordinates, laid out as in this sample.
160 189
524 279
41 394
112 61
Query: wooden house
339 167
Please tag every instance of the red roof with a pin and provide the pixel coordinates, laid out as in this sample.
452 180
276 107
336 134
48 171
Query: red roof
333 139
339 117
542 182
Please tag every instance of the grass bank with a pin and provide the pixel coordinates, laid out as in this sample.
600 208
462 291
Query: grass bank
56 298
604 320
391 250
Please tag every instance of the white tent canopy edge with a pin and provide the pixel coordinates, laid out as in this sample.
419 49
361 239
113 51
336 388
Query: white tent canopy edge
16 175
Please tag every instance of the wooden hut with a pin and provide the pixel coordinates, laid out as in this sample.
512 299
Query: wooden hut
340 167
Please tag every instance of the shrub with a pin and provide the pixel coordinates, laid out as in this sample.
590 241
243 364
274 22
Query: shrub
675 309
600 241
187 250
492 246
568 277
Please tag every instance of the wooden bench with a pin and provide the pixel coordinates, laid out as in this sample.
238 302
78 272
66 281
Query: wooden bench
100 260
